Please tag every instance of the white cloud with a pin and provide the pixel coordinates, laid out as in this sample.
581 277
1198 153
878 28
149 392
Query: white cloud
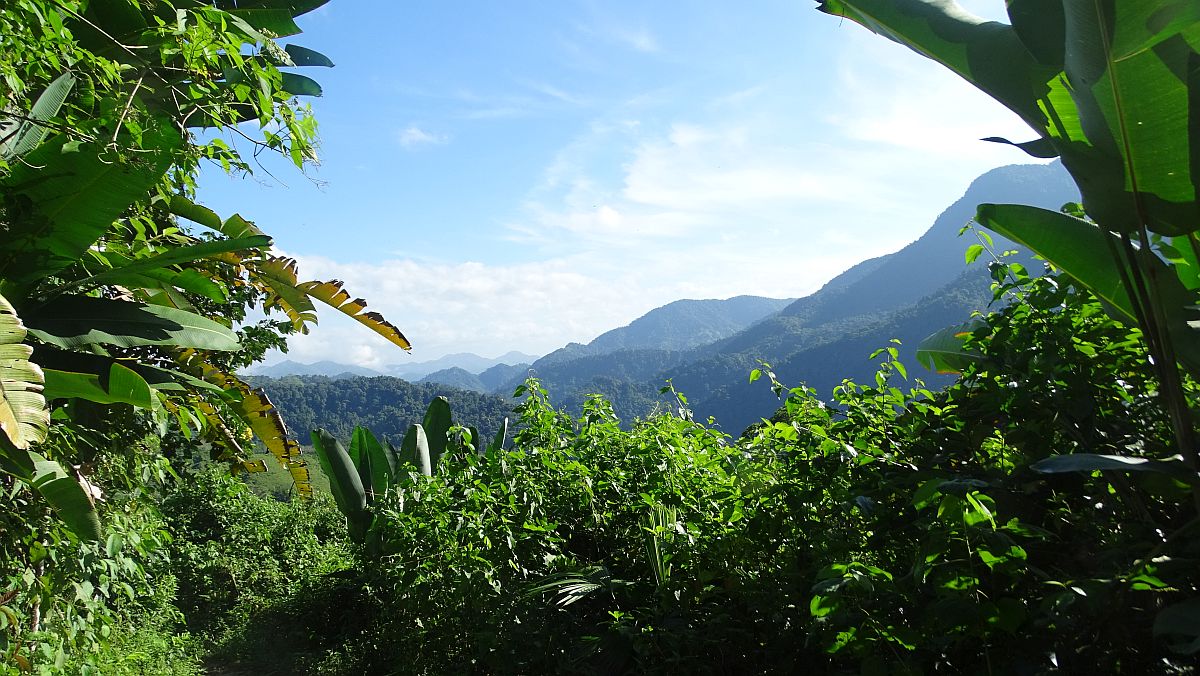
465 306
640 38
742 193
413 136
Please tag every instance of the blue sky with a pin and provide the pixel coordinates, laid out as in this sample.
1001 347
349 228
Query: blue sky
518 175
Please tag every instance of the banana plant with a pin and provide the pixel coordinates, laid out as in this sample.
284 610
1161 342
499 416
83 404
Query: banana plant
1111 89
358 476
99 270
24 420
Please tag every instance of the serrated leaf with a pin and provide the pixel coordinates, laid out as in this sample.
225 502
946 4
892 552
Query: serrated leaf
332 294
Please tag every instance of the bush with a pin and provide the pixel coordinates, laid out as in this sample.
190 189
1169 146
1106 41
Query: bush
898 531
241 559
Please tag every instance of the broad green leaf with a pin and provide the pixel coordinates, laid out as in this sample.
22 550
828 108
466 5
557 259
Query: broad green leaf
374 468
119 385
1041 27
416 449
300 85
344 481
30 133
74 197
437 424
475 440
116 18
1082 250
383 464
1107 84
24 418
175 256
72 322
166 282
294 7
66 496
1089 462
987 54
235 226
98 366
497 444
277 21
303 56
1133 78
943 351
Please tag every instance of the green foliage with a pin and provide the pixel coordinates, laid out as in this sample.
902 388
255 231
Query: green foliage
362 476
237 555
115 290
901 529
1100 83
93 606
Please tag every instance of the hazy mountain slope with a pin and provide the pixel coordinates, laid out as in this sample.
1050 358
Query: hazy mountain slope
687 323
467 361
675 326
926 265
501 375
822 360
826 336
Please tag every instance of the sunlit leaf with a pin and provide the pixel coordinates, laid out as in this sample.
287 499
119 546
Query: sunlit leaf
24 418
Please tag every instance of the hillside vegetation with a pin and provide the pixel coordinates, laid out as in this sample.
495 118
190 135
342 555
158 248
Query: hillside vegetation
385 405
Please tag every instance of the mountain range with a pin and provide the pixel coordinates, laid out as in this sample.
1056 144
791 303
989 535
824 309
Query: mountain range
465 361
707 348
822 338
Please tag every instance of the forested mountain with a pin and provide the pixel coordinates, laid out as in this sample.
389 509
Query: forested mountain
385 405
827 336
467 361
456 377
819 339
497 378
